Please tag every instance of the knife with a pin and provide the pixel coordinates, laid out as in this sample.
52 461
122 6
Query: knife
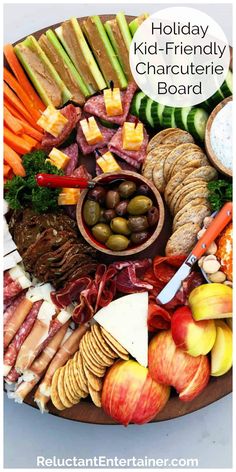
217 225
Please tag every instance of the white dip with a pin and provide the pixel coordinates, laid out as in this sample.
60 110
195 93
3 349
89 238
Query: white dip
221 135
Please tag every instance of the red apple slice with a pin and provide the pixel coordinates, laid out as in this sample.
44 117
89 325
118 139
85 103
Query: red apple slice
199 381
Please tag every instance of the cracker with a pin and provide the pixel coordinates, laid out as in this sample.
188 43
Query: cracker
187 158
175 181
54 392
116 346
93 354
194 214
182 240
61 389
196 193
105 360
101 343
174 155
155 156
95 396
93 380
178 136
206 173
79 364
95 369
183 190
189 206
79 376
157 139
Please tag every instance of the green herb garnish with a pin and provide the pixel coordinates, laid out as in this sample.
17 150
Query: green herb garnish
220 193
24 192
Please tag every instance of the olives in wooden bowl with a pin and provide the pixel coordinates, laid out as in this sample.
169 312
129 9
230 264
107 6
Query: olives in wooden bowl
122 215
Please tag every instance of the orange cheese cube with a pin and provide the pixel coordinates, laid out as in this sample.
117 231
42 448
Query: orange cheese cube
132 136
52 121
108 163
58 158
69 196
91 130
113 103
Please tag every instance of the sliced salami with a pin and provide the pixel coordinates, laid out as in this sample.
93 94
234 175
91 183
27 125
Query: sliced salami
14 347
86 148
73 114
133 158
72 152
96 105
11 290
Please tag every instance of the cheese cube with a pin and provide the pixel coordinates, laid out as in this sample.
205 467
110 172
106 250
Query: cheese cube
52 121
113 103
91 130
69 196
58 158
132 136
108 163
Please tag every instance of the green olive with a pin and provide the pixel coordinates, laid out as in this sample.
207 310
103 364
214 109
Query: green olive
101 232
117 242
126 189
139 238
112 198
91 212
138 223
139 205
120 225
102 218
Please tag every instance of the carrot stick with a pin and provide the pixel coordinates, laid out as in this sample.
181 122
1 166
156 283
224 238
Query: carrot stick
6 170
13 160
18 144
22 95
33 142
15 102
26 126
21 76
12 122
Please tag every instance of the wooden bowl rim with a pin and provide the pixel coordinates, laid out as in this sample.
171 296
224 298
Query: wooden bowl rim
210 153
149 241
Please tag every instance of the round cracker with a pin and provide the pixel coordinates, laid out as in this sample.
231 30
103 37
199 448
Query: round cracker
95 396
61 389
77 390
71 394
157 139
206 173
195 214
189 206
79 365
183 190
54 392
101 343
178 136
158 154
105 360
196 193
158 175
93 380
174 155
94 354
187 158
182 240
175 181
113 341
96 370
79 376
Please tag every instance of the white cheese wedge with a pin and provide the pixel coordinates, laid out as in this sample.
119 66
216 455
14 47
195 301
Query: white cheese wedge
126 320
10 260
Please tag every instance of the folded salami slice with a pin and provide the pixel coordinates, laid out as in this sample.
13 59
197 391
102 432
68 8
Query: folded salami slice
14 347
72 152
96 105
86 148
73 114
134 158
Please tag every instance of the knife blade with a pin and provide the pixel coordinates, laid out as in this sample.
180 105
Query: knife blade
223 217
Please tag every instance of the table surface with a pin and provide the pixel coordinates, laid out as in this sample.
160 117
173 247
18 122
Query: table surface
205 434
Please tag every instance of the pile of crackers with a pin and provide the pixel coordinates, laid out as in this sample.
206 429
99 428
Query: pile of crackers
180 170
83 374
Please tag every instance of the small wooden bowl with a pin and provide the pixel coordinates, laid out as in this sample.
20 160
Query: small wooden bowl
109 178
210 153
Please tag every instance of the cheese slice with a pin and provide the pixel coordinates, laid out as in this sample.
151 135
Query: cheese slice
126 320
108 163
58 158
91 131
10 260
132 136
52 121
113 103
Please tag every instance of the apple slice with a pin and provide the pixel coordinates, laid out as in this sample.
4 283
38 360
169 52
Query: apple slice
222 351
198 383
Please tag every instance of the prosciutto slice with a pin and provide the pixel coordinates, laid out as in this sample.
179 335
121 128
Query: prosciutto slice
129 276
96 105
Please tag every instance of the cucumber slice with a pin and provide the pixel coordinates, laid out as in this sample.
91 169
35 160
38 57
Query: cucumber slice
216 98
135 105
155 117
142 109
149 118
168 117
227 86
181 115
196 123
160 110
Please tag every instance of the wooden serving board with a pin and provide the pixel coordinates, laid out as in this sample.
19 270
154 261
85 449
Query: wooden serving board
86 411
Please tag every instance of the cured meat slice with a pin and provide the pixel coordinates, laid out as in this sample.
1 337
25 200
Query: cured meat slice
65 352
72 152
16 320
96 105
7 278
133 158
73 114
158 317
17 281
12 307
70 292
129 276
86 148
14 347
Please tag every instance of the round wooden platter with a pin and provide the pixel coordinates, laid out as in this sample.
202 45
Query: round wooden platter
86 411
